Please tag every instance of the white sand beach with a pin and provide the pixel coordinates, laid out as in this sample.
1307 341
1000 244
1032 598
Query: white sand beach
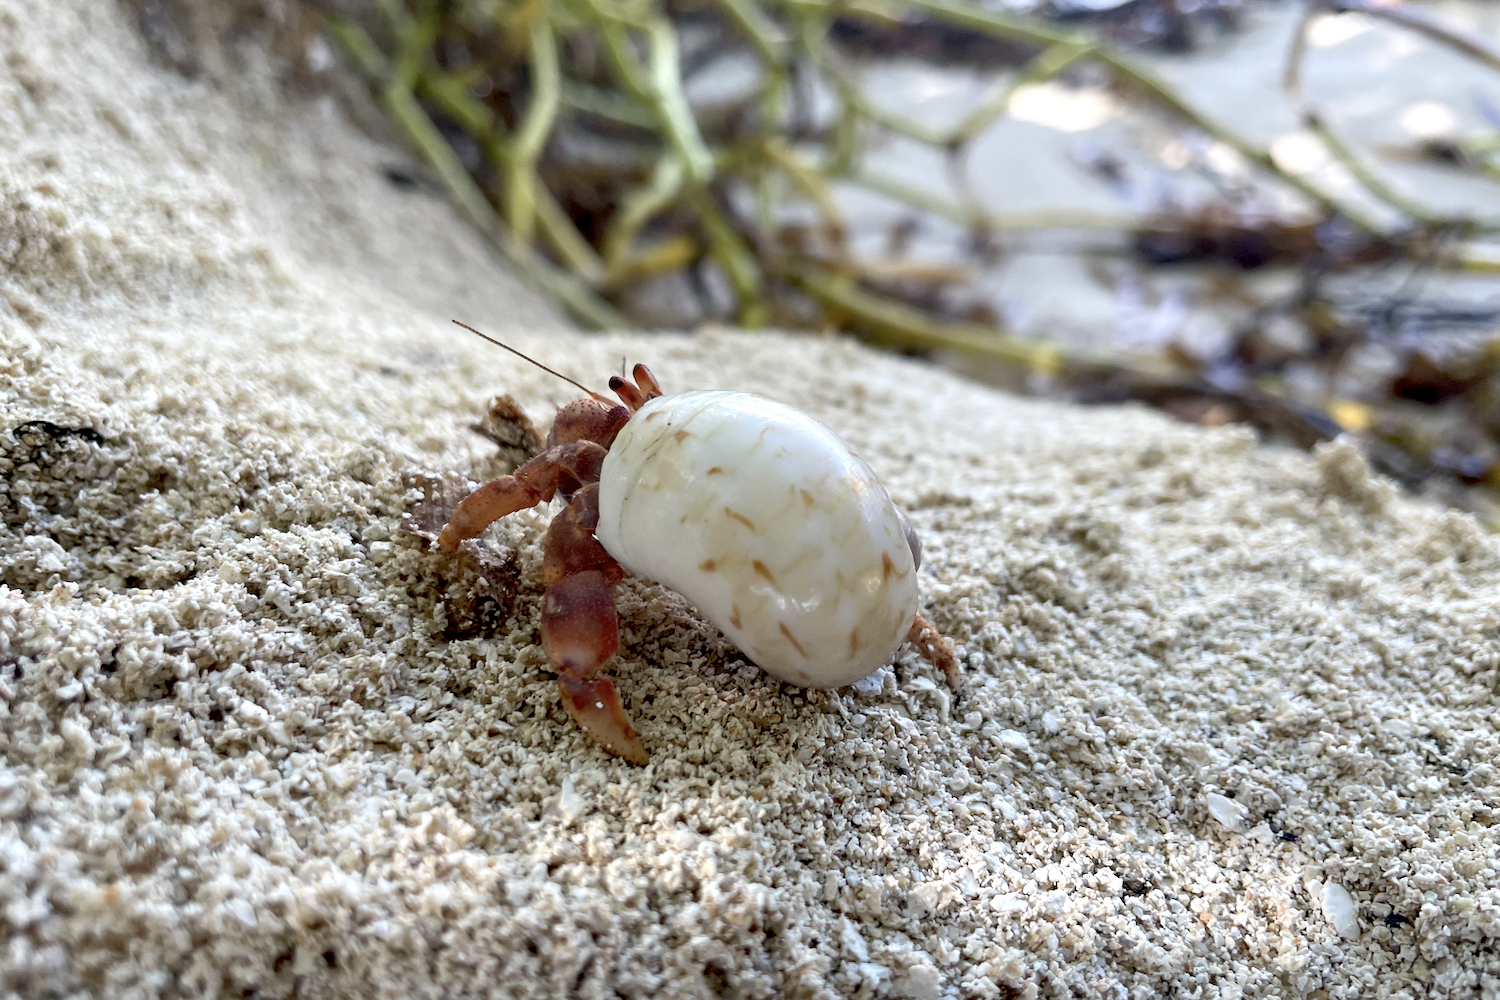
1230 727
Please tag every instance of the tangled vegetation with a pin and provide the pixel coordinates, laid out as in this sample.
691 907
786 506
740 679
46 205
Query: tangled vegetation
580 137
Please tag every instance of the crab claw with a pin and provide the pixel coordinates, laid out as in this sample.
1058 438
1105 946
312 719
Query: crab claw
594 705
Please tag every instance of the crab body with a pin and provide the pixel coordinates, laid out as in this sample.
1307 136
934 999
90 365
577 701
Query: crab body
769 525
757 514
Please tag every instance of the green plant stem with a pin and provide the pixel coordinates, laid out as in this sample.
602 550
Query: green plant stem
360 46
895 324
672 105
1371 181
1423 23
733 255
536 126
403 108
476 118
762 32
636 209
773 100
814 41
607 104
810 181
982 20
1052 61
1469 261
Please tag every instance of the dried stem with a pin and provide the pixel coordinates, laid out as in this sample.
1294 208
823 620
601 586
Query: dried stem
895 324
1423 23
402 106
727 183
531 138
1372 182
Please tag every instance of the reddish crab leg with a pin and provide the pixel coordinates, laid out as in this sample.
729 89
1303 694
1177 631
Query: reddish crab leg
579 629
938 649
570 546
533 483
579 633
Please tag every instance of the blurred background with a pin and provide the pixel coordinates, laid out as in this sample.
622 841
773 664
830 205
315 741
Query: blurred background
1269 212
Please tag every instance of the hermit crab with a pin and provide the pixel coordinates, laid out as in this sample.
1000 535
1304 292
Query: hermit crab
757 514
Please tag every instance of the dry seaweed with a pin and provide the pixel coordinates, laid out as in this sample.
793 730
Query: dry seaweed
598 146
571 122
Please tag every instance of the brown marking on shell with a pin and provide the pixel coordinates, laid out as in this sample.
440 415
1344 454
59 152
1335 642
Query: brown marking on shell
740 518
653 415
762 571
681 436
708 565
734 616
792 639
854 642
808 498
713 470
887 568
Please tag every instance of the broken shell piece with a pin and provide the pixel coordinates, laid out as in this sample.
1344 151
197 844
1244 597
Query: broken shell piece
1339 908
1229 813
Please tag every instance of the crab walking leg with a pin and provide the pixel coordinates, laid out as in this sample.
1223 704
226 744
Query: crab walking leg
570 546
579 629
937 648
579 633
535 482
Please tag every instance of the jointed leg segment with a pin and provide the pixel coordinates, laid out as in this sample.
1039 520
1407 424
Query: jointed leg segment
565 465
570 546
937 648
579 628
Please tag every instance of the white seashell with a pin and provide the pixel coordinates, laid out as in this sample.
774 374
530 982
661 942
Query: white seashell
767 522
1229 813
1340 911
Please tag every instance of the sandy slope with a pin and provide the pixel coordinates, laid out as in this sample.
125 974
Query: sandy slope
257 741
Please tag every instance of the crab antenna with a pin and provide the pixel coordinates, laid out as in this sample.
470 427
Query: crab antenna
549 371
